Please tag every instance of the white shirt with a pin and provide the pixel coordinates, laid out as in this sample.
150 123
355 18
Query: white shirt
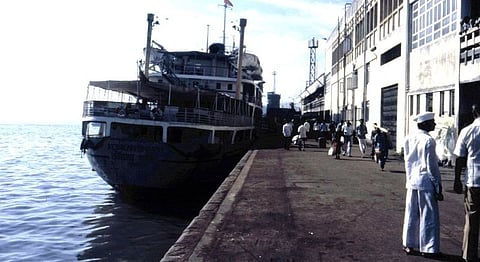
421 162
287 130
302 131
348 130
307 126
468 145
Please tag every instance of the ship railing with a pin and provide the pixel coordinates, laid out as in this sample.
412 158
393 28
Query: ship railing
208 117
167 113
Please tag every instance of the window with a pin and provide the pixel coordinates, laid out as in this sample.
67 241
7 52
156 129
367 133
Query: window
391 54
219 86
223 137
442 103
410 109
451 110
188 135
432 19
95 129
418 104
242 135
429 102
137 132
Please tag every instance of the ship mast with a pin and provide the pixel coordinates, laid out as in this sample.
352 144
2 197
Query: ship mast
224 22
148 46
226 3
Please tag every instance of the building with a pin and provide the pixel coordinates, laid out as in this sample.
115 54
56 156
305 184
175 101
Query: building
388 60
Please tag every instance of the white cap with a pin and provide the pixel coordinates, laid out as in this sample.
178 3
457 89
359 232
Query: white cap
422 117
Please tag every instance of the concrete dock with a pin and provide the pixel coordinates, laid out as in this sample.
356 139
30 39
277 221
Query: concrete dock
291 205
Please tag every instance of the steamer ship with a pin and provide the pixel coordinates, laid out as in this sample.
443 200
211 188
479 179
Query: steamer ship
188 114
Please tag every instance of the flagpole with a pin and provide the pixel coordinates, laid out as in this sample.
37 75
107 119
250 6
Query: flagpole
224 22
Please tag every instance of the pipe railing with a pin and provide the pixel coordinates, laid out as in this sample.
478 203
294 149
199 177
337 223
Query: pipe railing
167 113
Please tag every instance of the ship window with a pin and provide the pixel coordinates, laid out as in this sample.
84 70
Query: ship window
188 135
95 129
242 135
223 137
137 132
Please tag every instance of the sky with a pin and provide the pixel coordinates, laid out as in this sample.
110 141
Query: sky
51 49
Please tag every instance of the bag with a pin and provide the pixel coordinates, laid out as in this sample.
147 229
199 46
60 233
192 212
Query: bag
331 151
296 140
342 139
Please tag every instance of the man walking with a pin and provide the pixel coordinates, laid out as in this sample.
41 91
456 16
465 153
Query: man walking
307 128
348 138
421 227
287 134
302 134
362 138
467 149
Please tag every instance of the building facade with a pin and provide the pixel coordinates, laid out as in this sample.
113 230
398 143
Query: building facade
388 60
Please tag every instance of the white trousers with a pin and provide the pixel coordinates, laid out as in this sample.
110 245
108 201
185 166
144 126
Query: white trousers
362 143
421 227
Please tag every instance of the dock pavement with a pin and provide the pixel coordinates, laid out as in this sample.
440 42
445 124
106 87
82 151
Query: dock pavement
291 205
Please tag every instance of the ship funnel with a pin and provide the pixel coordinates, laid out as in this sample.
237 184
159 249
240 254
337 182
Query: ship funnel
217 48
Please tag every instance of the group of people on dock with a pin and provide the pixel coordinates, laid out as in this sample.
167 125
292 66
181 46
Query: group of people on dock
421 227
342 136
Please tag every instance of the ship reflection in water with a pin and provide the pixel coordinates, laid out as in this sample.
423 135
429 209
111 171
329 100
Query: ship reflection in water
126 229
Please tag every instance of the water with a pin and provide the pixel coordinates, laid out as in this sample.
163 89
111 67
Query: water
54 208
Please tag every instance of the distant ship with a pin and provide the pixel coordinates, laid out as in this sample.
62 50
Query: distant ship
187 114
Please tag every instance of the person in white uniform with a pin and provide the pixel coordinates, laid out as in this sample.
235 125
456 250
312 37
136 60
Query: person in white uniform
302 133
307 128
287 130
348 138
467 150
421 227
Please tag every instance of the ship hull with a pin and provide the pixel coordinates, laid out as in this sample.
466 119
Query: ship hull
129 165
